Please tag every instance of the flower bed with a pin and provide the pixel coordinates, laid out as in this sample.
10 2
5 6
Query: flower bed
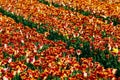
55 53
26 54
96 8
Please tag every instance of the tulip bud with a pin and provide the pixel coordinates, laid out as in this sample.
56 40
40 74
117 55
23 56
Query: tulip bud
85 74
78 52
5 46
10 60
114 71
22 41
0 30
27 36
5 78
21 31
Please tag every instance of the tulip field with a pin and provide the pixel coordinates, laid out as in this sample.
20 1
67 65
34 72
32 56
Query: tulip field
59 39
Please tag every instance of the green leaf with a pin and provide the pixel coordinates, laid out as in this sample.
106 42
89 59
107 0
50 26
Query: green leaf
49 77
56 5
36 43
13 58
118 73
41 29
64 54
43 48
21 58
17 77
65 78
36 57
6 55
55 36
39 79
40 69
56 78
75 72
104 34
31 66
66 7
76 28
20 18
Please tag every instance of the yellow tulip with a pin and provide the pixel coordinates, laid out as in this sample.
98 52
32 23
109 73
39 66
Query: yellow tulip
115 50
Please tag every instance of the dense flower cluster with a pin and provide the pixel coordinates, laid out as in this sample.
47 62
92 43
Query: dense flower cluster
67 23
18 43
30 55
102 8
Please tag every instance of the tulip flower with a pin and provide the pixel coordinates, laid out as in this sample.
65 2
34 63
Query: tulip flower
78 52
85 74
5 78
115 50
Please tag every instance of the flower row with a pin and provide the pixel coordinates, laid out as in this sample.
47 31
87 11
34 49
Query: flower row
101 8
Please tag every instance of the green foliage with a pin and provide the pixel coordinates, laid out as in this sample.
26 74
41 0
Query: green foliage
44 2
43 48
31 66
118 73
115 21
104 34
21 58
39 79
56 78
53 78
17 77
6 55
86 13
56 5
65 78
64 54
72 9
40 29
66 7
40 69
55 36
13 58
49 77
75 72
36 43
